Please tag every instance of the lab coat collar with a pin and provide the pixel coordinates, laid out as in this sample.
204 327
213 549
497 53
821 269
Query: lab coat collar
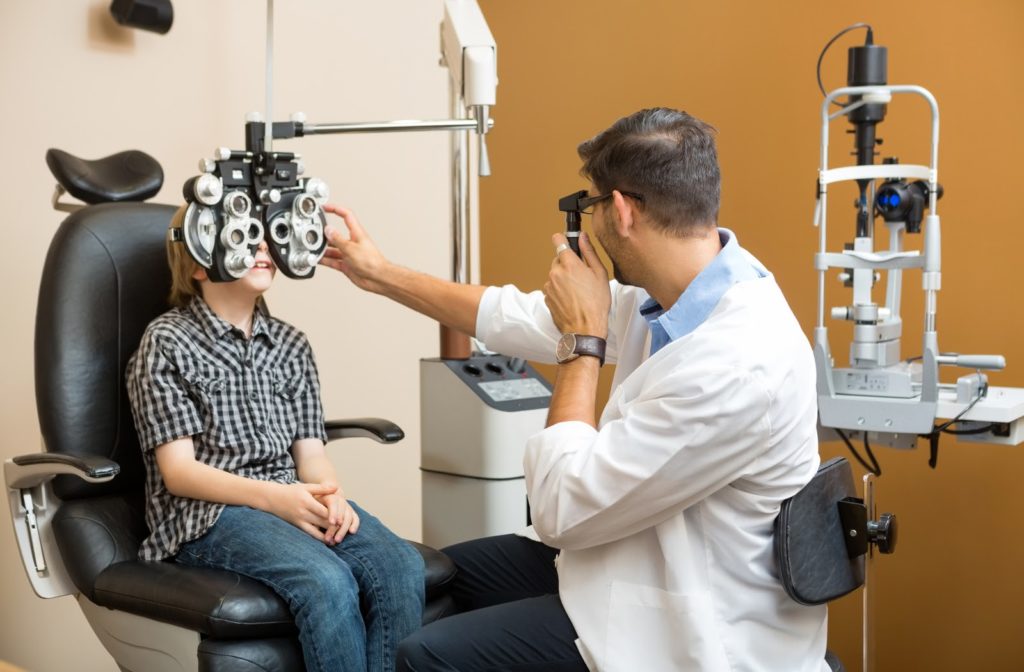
731 265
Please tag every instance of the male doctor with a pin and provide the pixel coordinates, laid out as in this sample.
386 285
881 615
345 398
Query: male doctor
654 518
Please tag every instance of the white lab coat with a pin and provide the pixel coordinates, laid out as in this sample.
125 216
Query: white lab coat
664 514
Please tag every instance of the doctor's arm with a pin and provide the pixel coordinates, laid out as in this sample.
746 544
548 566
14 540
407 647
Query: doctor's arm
450 303
683 440
579 299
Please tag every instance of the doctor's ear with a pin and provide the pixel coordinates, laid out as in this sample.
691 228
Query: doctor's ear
200 274
624 214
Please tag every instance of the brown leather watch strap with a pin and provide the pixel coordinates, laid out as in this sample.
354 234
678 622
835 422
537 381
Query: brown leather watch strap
594 346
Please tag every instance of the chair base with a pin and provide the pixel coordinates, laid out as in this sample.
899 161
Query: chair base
129 640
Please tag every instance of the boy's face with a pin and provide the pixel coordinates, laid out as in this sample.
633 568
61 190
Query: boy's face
254 283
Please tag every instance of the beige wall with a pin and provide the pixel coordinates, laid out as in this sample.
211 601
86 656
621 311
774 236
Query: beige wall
950 598
72 79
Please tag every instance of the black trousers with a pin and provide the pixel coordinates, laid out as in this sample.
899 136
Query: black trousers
510 617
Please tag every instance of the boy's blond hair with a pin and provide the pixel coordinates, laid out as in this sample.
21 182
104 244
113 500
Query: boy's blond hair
183 286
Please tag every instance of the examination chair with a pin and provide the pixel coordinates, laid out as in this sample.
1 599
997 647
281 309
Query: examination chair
823 535
78 507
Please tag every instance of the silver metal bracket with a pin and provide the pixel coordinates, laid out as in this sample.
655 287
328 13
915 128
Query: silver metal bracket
63 206
33 529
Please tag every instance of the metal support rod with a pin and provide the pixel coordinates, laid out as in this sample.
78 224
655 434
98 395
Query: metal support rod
868 598
460 193
453 344
394 126
268 137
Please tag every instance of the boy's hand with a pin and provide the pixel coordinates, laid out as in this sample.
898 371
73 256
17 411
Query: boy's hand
341 519
299 504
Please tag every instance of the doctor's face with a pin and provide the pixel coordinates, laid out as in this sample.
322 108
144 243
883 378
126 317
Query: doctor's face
604 221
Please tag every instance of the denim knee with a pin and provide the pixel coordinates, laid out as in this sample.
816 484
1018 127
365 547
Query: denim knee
412 564
327 585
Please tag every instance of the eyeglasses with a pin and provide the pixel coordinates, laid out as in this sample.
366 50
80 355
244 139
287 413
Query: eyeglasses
586 204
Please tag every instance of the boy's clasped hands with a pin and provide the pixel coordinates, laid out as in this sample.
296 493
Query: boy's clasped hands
318 509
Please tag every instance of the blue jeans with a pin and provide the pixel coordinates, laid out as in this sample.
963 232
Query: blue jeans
352 602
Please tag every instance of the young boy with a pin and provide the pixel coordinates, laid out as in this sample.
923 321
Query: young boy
226 402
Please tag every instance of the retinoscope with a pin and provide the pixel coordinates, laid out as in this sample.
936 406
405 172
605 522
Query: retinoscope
572 208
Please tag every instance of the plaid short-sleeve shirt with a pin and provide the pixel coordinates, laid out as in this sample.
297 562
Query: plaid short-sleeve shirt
244 401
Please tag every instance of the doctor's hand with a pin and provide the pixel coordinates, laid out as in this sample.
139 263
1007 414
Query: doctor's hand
577 292
356 256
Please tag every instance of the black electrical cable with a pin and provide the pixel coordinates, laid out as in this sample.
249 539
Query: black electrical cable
867 449
844 31
984 429
936 433
876 469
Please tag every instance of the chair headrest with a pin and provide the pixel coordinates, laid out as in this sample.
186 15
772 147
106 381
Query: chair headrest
126 176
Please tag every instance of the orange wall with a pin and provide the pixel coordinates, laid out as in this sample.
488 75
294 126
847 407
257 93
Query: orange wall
949 598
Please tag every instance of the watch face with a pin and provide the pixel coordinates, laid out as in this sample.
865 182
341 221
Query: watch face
566 346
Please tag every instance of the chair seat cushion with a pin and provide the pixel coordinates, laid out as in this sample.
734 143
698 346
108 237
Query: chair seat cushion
99 541
214 602
439 570
219 603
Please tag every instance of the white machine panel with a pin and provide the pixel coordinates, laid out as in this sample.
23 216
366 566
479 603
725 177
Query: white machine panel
457 508
477 415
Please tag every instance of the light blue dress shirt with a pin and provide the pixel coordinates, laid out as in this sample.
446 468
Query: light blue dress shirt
731 265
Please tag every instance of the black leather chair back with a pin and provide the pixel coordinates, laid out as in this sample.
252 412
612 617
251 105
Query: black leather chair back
105 278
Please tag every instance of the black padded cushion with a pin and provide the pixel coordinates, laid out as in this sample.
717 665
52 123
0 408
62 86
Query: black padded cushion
810 545
439 570
125 176
264 655
105 278
99 540
834 664
214 602
217 603
96 532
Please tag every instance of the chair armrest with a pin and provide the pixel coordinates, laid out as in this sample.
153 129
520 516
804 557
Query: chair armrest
28 471
33 506
378 429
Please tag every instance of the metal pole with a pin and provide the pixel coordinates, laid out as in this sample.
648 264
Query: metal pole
268 137
393 126
455 345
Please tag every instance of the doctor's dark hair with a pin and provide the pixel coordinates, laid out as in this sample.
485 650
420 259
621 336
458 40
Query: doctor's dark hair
667 156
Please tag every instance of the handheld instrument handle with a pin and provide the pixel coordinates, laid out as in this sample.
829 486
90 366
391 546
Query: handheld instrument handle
989 362
574 240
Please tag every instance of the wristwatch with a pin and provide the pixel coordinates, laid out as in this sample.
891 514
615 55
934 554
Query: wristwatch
571 346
